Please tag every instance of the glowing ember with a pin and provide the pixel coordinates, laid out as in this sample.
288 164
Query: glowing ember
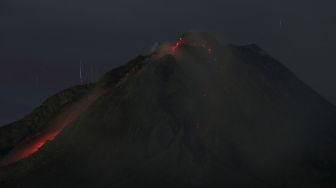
178 44
201 44
209 50
33 144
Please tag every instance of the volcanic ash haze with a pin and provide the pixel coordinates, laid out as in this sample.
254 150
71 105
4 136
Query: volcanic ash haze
191 114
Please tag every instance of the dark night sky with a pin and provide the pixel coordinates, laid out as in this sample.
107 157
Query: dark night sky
43 41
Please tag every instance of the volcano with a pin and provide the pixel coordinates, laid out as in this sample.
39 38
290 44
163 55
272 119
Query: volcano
194 113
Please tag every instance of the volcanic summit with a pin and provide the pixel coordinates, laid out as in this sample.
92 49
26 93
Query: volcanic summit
193 113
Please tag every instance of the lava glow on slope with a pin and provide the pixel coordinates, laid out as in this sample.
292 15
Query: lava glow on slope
178 43
33 144
196 44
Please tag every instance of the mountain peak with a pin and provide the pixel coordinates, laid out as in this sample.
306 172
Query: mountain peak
200 41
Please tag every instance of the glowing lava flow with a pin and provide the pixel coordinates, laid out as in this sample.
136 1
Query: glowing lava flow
33 144
198 44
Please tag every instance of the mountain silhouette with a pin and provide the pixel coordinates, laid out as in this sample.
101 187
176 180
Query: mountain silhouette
191 114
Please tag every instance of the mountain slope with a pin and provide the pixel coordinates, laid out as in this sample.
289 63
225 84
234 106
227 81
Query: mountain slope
14 133
202 115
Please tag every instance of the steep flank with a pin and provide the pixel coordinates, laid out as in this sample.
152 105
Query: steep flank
14 133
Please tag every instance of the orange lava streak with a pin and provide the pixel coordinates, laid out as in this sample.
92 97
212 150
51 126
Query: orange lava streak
33 144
